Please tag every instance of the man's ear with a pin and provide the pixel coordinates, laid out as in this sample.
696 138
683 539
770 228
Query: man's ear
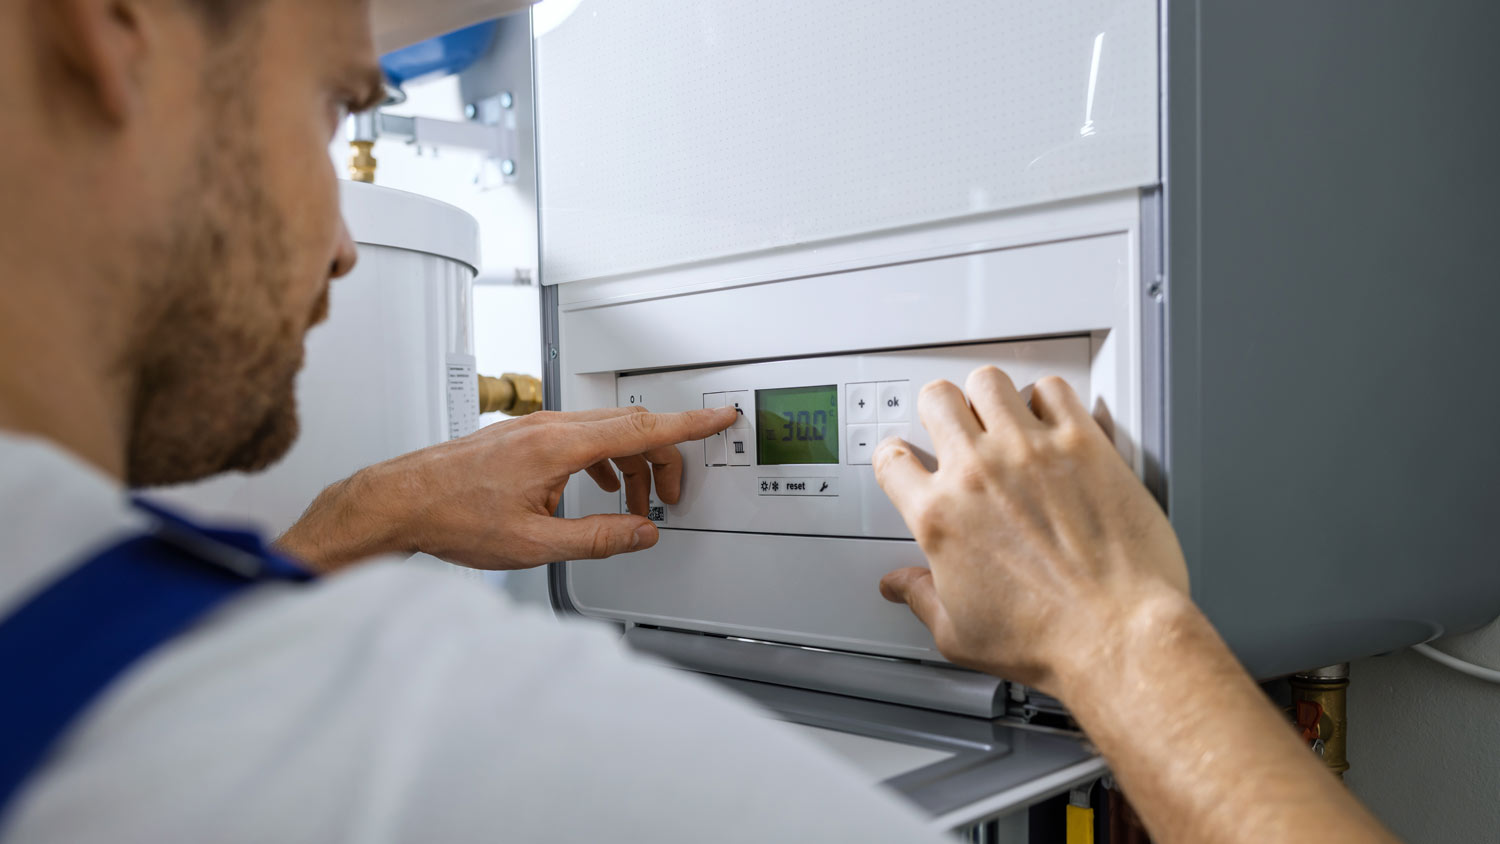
102 46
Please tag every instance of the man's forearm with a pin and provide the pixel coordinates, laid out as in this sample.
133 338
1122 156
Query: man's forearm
1203 755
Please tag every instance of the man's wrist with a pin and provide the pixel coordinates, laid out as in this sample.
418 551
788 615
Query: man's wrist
1155 622
348 522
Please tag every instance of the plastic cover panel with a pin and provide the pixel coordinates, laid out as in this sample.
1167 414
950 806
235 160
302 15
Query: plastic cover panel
675 131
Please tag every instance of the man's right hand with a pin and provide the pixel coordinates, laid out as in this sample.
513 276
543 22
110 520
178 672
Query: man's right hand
1040 538
487 500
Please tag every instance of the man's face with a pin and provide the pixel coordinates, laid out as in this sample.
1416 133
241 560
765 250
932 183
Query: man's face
252 234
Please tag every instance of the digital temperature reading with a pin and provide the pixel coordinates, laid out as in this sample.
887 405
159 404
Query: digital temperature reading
797 425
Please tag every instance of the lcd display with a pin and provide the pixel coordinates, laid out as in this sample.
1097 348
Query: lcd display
797 425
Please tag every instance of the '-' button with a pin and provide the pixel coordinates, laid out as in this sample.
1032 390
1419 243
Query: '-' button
862 440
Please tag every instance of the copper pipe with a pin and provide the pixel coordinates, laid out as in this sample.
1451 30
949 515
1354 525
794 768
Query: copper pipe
362 161
511 394
1320 710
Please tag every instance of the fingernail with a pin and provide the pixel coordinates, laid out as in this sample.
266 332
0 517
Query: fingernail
644 536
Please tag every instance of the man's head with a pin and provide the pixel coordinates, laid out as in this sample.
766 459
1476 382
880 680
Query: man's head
176 151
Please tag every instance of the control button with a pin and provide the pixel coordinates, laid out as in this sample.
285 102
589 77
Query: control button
740 400
894 401
738 446
715 451
862 442
859 403
798 487
899 429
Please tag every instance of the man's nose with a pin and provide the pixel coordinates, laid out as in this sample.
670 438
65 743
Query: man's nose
346 254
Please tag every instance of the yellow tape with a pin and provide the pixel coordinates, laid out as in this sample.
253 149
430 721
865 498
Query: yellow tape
1080 825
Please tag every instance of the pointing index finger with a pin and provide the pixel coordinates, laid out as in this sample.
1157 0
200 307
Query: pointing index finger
639 433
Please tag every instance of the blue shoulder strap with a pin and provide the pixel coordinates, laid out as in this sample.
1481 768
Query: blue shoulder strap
62 649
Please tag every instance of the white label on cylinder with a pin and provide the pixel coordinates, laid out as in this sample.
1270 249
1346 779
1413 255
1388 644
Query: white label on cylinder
463 396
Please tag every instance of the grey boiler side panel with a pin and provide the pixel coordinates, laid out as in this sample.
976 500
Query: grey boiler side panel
1332 285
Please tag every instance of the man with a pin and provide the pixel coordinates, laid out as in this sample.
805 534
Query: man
172 229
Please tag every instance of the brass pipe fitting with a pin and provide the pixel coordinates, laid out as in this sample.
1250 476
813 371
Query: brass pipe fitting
1319 708
511 394
362 161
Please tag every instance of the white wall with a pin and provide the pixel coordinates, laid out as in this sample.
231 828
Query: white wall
1423 740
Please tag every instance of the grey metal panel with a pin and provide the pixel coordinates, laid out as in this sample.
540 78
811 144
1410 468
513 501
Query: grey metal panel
999 767
1182 462
876 719
896 681
557 573
1330 186
1153 435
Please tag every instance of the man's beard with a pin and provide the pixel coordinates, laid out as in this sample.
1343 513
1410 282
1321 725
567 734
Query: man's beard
217 365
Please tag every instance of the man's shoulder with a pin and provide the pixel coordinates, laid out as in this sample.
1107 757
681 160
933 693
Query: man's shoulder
390 619
394 703
302 689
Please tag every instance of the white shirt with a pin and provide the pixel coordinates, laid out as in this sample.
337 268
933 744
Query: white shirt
391 703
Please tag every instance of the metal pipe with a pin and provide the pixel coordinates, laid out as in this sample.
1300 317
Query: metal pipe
1320 711
511 394
362 161
491 132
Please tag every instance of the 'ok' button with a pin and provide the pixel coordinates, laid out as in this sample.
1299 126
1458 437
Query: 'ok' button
893 401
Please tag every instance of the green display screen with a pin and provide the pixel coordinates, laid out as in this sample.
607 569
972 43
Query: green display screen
797 425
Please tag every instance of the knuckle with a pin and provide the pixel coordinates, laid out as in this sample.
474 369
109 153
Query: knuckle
1053 384
932 387
644 422
972 476
535 437
887 453
988 376
928 519
599 544
1072 439
947 644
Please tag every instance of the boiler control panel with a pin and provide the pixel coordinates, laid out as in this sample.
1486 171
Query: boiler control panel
798 458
